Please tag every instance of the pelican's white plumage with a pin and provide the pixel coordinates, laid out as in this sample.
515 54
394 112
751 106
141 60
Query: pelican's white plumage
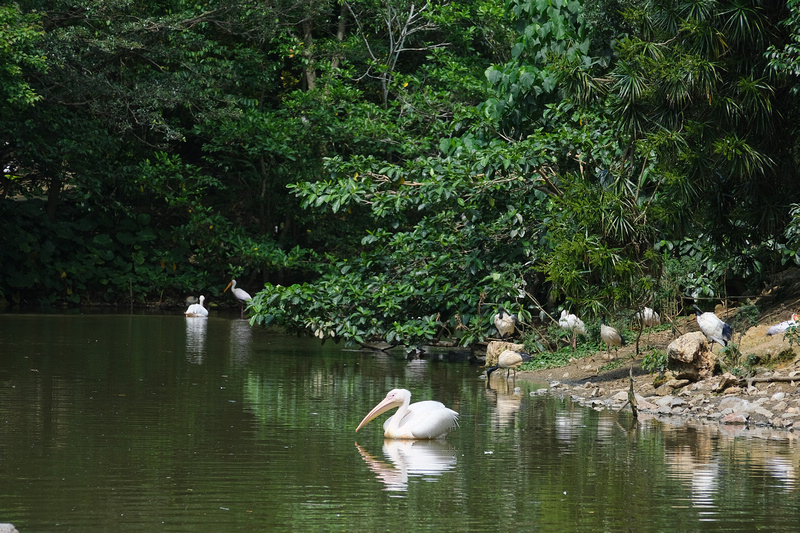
505 322
197 310
421 420
573 324
783 326
713 328
510 360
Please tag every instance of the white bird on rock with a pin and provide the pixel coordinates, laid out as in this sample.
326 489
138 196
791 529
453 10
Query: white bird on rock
783 326
510 360
421 420
573 324
713 328
197 310
505 322
239 294
610 336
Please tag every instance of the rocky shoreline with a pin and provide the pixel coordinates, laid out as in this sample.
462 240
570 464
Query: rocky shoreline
774 404
691 388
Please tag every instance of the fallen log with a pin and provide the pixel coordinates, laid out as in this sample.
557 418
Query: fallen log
770 379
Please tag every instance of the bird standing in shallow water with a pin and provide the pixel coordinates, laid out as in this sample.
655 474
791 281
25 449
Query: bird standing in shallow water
239 294
510 360
783 326
713 328
610 336
419 420
505 322
573 324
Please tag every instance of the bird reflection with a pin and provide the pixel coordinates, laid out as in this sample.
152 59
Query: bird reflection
507 404
410 458
241 338
196 339
782 470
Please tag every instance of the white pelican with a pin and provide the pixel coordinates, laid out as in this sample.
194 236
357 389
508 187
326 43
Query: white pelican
573 324
197 310
510 360
420 420
713 328
610 336
783 326
505 322
239 294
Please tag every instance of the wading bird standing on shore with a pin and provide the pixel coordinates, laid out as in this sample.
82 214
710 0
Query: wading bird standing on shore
610 336
573 324
510 360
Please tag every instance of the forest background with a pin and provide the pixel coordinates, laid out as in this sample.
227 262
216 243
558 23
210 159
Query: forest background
398 170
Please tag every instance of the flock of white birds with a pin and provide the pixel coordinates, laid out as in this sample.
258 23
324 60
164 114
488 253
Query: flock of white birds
715 329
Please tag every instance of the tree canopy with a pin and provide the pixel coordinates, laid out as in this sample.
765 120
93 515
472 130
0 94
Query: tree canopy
396 171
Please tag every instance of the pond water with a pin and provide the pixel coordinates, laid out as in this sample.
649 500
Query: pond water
153 422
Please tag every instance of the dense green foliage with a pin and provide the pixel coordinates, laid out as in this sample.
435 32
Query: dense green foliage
396 171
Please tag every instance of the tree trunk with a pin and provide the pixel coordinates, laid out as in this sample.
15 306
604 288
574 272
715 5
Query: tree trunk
340 29
53 194
308 54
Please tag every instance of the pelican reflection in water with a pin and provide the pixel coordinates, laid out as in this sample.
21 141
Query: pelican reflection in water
425 459
196 339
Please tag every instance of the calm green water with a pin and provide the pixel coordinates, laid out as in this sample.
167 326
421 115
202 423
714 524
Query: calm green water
161 423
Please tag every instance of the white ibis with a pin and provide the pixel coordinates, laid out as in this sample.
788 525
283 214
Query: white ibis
510 360
647 317
239 294
783 326
610 336
505 322
573 324
713 328
420 420
197 310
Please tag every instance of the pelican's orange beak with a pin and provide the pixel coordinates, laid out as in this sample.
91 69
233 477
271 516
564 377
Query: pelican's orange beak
389 402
